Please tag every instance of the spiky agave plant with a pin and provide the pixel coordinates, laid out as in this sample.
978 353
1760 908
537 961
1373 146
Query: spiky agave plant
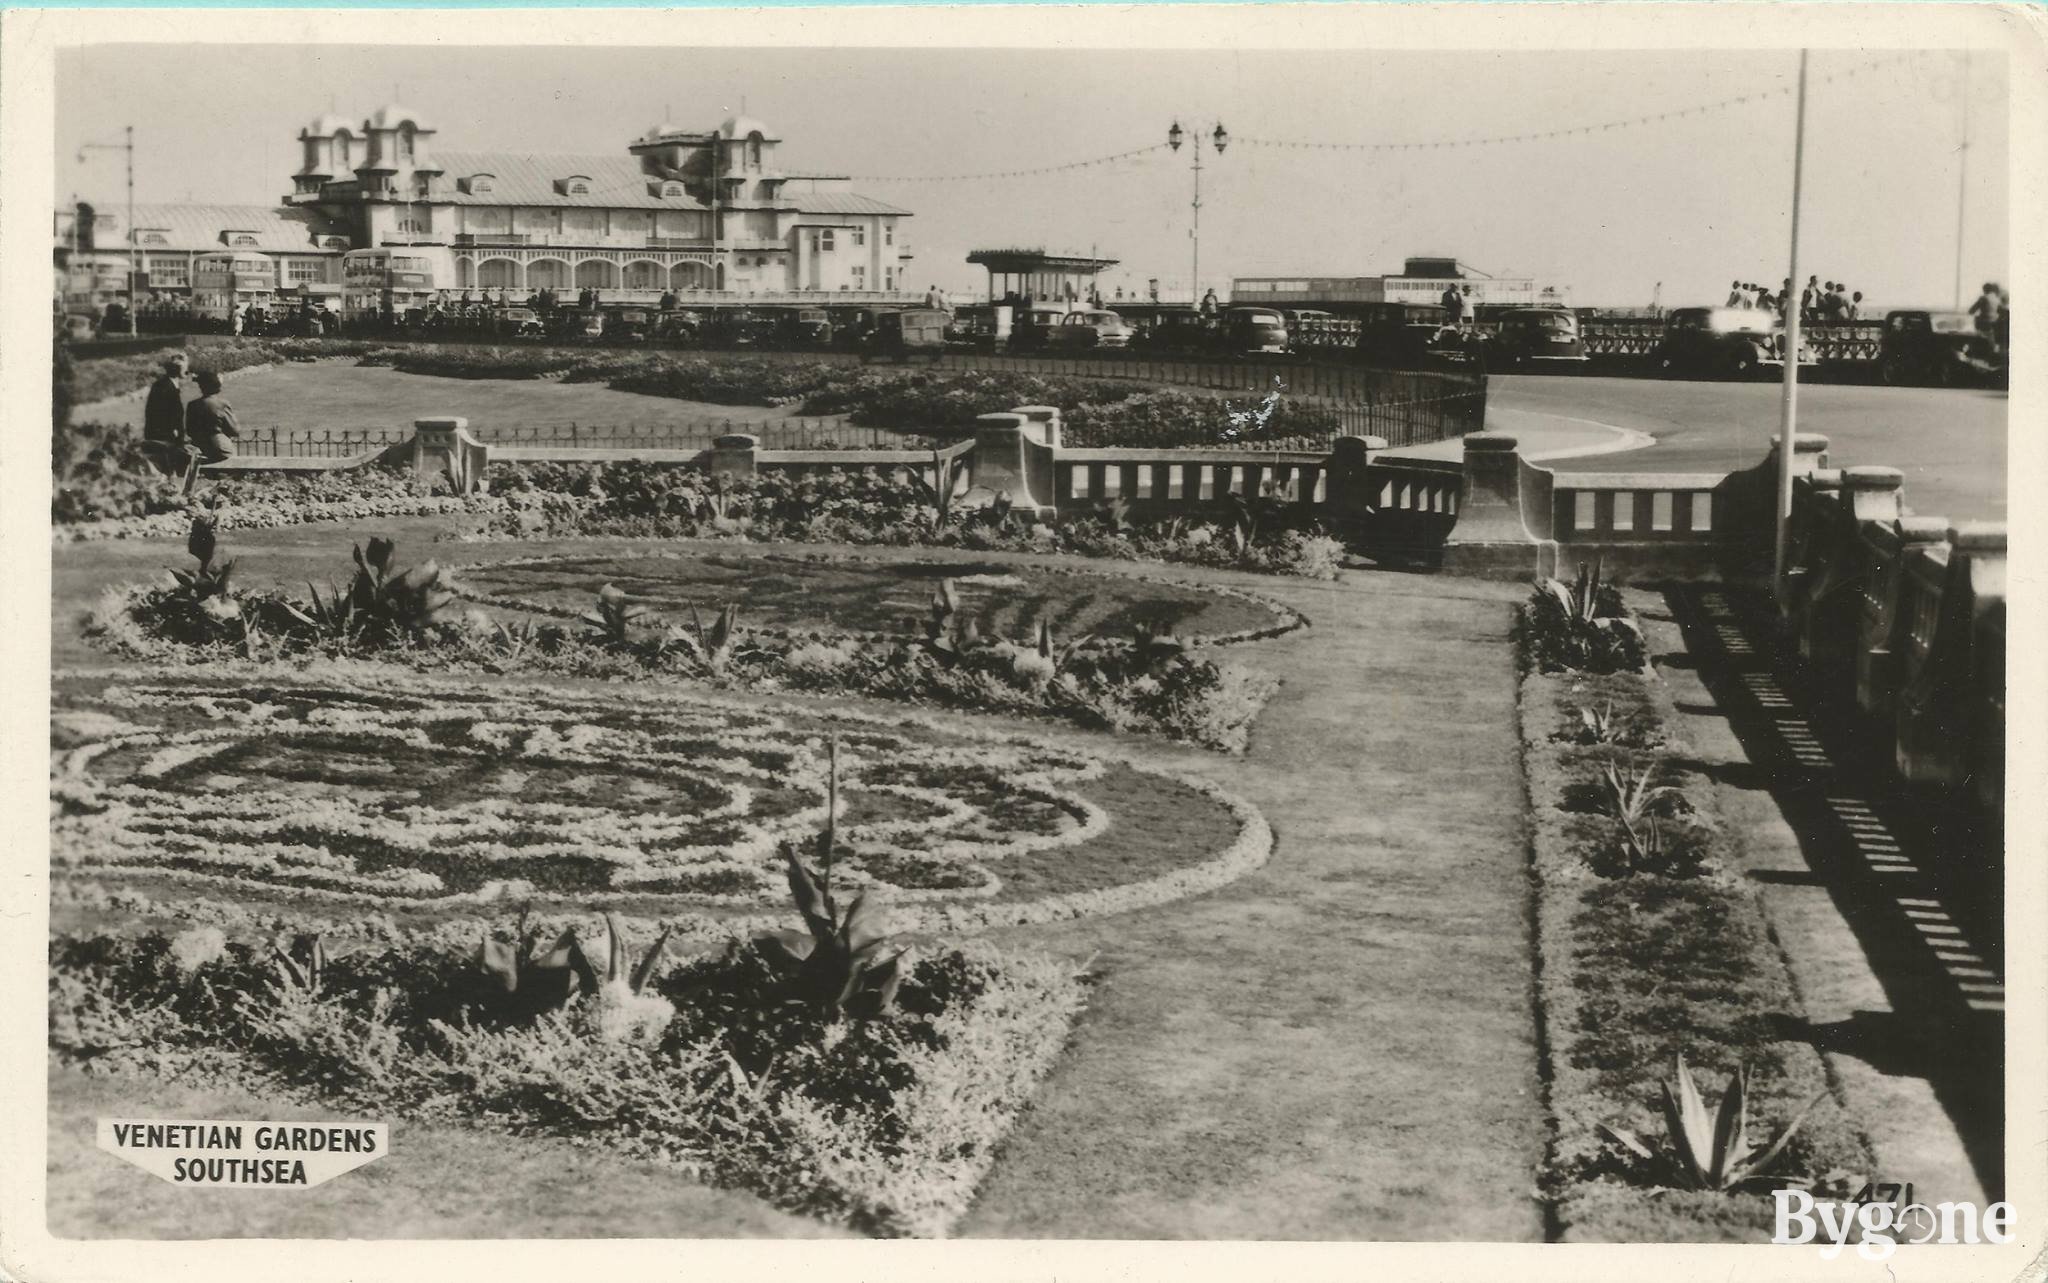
303 966
1712 1150
709 648
843 961
1633 792
206 580
615 616
390 601
950 632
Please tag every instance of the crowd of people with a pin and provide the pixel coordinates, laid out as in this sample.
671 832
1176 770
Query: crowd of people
1820 302
177 433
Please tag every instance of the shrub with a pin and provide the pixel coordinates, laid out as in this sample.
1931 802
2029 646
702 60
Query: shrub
883 1125
1582 626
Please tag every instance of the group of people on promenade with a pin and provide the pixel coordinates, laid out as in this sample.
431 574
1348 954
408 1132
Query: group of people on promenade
176 432
1820 302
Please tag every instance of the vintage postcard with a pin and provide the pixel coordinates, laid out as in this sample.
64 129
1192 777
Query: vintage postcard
1310 641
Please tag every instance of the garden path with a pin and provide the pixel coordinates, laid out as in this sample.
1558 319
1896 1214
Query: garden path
1339 1046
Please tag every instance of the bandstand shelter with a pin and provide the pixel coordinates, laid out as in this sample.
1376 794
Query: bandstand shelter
1036 274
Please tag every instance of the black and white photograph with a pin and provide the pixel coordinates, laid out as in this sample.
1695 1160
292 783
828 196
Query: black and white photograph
1320 626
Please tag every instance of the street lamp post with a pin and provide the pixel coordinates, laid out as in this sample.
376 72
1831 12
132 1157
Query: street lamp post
134 243
1220 138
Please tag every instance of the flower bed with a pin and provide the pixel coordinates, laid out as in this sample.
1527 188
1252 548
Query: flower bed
848 595
715 1065
418 797
1652 948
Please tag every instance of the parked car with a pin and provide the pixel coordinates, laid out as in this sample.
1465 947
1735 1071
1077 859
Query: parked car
1540 336
681 327
1032 331
1722 340
916 331
740 328
517 323
803 327
1176 330
852 327
1414 336
1935 347
1254 329
1093 328
973 326
630 325
78 327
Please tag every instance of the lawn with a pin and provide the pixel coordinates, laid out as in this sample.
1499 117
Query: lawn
839 595
336 395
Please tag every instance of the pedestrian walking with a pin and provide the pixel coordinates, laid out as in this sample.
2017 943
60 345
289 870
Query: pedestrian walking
210 427
1454 306
1735 299
1209 305
163 418
1855 310
1988 311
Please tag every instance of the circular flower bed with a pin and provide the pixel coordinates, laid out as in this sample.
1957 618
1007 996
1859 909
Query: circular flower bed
842 594
426 795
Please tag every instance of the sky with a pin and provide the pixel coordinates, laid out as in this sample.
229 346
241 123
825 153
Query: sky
1673 210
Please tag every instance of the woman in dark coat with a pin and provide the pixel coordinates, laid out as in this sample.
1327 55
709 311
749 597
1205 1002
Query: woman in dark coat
163 418
210 421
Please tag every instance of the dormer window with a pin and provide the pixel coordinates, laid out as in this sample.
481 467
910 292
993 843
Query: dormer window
480 184
239 240
574 185
153 238
672 191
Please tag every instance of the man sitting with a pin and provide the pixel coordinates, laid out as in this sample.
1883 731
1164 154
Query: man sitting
163 418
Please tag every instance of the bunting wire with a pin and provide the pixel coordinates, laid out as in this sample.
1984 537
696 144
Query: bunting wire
1740 100
1008 173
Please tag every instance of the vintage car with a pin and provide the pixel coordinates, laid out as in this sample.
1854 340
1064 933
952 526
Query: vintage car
740 328
1093 328
1535 336
1254 329
1414 336
680 327
629 325
517 323
1722 340
973 326
1174 330
1935 347
916 331
803 327
1032 331
852 327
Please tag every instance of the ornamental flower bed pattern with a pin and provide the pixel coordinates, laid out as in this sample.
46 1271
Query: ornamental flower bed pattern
426 795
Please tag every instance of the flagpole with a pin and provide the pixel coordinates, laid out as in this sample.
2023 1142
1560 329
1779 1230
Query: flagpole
1788 425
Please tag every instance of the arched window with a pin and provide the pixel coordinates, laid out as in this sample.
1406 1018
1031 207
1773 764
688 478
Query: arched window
344 150
405 141
754 150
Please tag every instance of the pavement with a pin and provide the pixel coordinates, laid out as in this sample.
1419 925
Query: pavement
1950 442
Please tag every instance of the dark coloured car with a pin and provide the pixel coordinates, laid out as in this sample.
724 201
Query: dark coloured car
1414 336
973 327
852 327
803 328
1536 336
1032 331
1174 331
740 328
1935 347
1733 341
517 323
681 327
630 325
1254 330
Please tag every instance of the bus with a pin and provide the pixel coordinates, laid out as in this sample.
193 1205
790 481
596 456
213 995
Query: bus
389 281
230 281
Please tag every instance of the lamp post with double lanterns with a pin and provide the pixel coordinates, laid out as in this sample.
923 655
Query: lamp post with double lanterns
1219 138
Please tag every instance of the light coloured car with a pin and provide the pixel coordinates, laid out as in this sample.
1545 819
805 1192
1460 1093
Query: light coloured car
1096 328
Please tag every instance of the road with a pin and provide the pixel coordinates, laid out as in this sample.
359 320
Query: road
1951 444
